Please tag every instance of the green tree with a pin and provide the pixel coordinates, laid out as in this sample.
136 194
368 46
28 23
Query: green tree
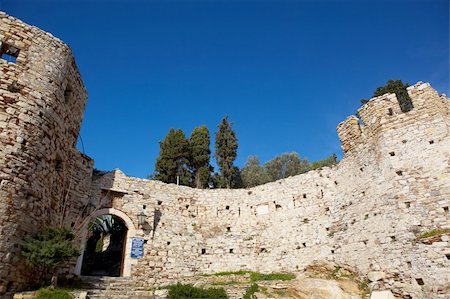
174 159
253 174
48 249
397 87
286 165
226 151
200 156
328 162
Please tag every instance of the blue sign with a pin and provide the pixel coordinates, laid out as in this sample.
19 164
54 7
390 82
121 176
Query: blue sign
137 248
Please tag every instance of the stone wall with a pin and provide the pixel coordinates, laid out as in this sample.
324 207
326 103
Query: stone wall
366 212
43 178
393 184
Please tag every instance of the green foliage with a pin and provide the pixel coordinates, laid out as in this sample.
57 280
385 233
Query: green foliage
185 291
255 276
226 151
434 232
200 156
50 248
328 162
397 87
253 174
53 294
250 291
286 165
174 159
228 273
283 166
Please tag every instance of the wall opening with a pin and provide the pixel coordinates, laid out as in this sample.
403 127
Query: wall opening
104 249
420 281
9 53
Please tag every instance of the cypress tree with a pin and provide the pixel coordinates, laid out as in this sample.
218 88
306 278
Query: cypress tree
226 151
173 159
200 156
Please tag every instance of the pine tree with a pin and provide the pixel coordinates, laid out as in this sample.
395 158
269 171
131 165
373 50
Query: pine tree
226 151
173 160
199 142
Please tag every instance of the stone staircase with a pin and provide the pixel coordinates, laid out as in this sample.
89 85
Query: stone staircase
113 288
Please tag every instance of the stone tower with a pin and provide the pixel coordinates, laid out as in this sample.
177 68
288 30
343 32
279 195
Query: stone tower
43 178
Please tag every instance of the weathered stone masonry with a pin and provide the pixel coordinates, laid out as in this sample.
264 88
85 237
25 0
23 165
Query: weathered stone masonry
42 101
393 183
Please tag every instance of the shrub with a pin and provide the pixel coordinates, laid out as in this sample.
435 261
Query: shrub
188 291
50 248
250 291
53 294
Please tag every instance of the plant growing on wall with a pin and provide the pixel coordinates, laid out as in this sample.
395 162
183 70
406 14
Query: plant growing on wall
48 249
397 87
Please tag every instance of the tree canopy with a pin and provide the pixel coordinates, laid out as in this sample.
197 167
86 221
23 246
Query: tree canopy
174 159
226 151
200 156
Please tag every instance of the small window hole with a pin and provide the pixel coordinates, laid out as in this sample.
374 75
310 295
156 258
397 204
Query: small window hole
445 209
408 204
9 53
227 207
420 281
399 172
431 141
159 202
390 112
392 154
203 251
231 250
304 195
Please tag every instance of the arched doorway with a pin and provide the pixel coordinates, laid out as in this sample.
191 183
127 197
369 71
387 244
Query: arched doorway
104 248
120 247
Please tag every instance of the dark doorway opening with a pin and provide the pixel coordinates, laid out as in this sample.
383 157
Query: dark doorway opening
105 247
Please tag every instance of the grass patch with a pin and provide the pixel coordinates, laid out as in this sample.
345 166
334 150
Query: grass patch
250 291
255 276
227 283
228 273
434 232
188 291
53 294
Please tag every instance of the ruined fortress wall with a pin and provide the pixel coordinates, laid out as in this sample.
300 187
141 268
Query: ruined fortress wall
42 100
366 212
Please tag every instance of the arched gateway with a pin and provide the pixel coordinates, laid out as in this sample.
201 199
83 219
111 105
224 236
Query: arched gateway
126 261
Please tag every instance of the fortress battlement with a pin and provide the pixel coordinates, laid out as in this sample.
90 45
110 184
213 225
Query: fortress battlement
383 113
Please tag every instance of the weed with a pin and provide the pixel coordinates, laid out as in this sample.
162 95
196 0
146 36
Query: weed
250 291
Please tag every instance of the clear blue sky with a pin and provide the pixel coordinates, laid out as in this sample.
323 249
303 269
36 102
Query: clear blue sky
286 72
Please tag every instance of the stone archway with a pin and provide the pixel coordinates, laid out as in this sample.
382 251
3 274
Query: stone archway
131 233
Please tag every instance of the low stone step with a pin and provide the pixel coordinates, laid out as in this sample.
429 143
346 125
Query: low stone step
107 294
